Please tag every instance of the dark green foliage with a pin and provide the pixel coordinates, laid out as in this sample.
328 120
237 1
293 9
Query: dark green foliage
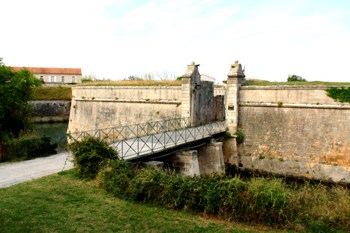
116 177
264 200
239 137
90 155
15 91
147 186
30 147
295 78
256 200
340 94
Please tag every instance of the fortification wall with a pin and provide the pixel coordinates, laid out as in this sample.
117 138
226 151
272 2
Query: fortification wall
104 107
295 131
50 111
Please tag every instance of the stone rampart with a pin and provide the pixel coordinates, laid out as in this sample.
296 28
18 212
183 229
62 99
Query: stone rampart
295 130
104 107
50 111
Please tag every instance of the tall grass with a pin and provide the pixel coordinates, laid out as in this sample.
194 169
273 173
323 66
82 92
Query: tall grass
261 200
295 83
51 93
134 83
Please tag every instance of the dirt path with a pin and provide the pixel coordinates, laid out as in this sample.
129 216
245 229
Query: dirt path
18 172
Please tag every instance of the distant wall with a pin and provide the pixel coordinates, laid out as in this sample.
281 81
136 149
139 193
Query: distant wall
296 130
50 111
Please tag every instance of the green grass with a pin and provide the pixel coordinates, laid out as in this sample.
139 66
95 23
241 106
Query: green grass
51 93
63 203
268 83
134 83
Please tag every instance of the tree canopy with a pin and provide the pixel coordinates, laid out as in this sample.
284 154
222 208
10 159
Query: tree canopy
15 91
295 78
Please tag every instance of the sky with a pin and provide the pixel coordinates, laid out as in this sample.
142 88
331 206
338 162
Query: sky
115 39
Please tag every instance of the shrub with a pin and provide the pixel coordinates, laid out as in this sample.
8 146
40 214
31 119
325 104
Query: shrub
264 200
90 155
147 185
339 94
116 177
319 205
233 198
239 137
270 200
295 78
29 147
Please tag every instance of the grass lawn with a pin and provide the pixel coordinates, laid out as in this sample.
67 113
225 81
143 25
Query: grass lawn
63 203
295 83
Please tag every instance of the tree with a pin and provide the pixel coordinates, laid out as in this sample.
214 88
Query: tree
15 91
295 78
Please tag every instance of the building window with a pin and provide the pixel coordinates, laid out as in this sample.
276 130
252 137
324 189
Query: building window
73 79
52 79
62 79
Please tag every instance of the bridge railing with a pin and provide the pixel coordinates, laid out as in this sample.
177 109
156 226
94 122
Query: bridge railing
150 144
125 132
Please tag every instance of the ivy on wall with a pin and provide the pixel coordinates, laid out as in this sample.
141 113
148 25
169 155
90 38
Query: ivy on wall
340 94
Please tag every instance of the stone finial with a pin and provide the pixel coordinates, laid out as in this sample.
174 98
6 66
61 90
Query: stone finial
236 70
190 70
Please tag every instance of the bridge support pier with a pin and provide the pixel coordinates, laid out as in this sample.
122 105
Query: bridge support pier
230 150
208 159
186 163
211 158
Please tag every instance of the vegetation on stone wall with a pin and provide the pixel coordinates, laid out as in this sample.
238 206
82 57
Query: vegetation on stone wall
239 137
293 83
51 93
340 94
134 83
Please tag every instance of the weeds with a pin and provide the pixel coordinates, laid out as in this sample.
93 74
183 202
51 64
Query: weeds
262 200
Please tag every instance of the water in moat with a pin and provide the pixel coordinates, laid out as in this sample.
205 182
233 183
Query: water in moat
56 131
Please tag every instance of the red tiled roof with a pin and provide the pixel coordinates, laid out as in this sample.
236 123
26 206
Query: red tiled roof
45 70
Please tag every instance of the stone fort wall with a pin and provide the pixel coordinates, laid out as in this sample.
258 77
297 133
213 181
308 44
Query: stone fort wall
104 107
294 130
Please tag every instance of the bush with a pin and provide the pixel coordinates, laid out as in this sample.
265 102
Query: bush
116 177
147 185
239 137
29 147
339 94
269 200
263 200
295 78
90 155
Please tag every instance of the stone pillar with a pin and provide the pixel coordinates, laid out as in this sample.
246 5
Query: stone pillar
186 163
230 150
211 159
189 79
234 81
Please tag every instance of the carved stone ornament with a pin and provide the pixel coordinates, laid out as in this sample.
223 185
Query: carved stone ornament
236 71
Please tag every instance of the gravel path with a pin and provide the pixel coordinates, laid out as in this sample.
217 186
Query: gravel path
18 172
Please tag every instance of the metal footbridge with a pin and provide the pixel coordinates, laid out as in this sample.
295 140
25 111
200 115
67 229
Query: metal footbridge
146 139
